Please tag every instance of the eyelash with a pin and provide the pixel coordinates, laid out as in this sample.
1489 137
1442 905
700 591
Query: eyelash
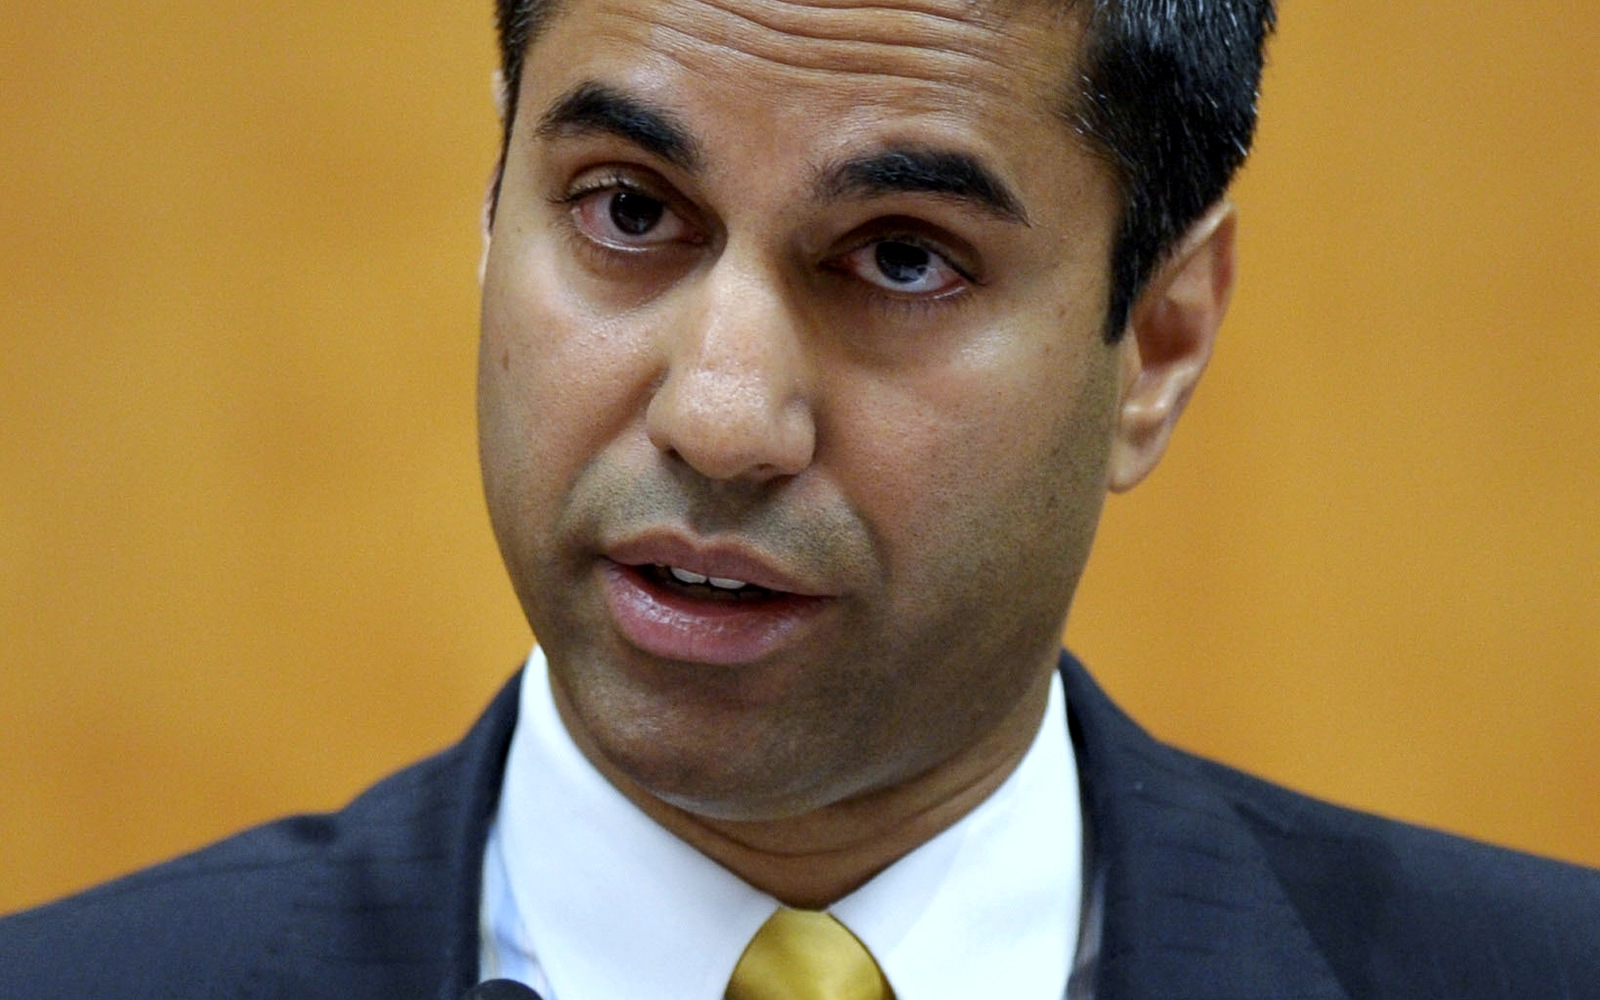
615 182
912 239
571 199
916 307
600 254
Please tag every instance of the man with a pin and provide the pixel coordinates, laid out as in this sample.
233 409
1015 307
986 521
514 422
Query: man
814 335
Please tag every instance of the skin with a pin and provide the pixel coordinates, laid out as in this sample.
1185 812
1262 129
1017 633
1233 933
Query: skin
931 456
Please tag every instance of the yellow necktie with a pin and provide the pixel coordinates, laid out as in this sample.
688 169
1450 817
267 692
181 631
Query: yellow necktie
806 955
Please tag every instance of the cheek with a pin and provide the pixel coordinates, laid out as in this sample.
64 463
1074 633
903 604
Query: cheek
556 382
989 469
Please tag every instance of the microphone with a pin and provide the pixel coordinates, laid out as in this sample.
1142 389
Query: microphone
500 989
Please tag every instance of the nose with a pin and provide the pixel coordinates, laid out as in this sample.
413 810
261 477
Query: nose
734 401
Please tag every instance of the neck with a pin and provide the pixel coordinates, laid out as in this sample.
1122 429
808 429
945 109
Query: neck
813 860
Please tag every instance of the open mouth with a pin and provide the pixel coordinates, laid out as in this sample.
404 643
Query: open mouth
706 588
689 616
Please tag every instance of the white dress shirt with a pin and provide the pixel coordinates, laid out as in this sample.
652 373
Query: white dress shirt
585 897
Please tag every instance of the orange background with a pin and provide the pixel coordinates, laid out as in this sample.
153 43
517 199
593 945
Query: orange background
244 565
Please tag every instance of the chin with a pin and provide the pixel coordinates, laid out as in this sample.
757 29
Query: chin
706 749
716 782
732 804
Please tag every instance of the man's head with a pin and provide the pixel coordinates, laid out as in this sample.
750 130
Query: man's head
813 297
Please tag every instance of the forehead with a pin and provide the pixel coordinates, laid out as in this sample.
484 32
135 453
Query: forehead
997 70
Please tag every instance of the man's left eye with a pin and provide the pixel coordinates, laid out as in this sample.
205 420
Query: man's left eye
628 219
900 265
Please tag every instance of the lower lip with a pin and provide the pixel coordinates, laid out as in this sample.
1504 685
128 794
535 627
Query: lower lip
670 625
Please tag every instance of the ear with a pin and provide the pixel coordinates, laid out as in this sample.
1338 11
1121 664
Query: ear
491 194
1168 341
491 191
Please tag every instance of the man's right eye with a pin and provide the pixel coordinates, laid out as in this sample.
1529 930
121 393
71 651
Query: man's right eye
624 218
635 214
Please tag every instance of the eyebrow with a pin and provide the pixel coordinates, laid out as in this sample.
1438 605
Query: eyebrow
592 108
912 169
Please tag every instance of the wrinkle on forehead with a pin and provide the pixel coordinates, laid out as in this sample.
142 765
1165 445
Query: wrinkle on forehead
971 43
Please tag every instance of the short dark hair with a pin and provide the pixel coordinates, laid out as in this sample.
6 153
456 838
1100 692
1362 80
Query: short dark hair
1167 94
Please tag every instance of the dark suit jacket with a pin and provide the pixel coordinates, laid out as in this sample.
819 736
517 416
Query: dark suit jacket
1218 886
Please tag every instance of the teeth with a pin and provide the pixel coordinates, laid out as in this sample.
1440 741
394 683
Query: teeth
720 582
684 576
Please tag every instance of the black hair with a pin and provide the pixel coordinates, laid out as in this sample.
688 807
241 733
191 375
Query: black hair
1166 93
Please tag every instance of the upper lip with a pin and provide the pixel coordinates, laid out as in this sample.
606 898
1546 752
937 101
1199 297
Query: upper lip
725 559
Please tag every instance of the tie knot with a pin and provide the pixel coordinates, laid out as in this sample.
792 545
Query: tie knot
806 955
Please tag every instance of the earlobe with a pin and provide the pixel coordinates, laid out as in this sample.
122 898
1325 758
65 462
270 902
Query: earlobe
1168 341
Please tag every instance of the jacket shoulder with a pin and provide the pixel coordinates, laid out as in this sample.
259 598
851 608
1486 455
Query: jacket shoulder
1402 910
347 886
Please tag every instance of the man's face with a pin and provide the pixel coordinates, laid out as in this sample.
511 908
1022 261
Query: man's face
808 296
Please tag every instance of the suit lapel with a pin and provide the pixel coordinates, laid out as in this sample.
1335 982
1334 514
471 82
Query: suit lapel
1192 908
482 765
386 892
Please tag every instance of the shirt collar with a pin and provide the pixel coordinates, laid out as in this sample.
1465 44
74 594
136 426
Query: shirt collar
587 898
